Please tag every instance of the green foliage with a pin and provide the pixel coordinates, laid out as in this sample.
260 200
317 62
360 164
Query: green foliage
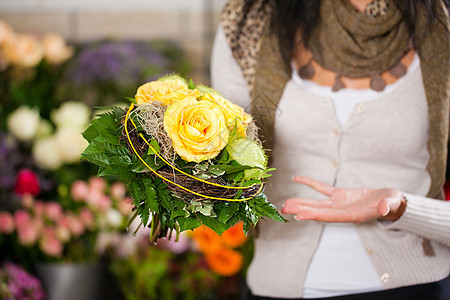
152 195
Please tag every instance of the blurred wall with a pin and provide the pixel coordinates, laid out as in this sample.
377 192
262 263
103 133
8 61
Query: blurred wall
191 23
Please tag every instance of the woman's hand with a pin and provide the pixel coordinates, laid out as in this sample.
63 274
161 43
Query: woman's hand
346 205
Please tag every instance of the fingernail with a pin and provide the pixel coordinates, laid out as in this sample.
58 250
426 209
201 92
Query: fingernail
293 178
388 210
296 218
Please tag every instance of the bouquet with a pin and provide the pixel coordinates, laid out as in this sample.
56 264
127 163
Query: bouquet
189 156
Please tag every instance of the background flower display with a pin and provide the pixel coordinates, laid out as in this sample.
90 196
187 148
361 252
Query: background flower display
38 155
18 284
51 208
102 70
30 66
186 269
67 229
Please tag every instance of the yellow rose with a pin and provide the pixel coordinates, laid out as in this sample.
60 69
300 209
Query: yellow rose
55 49
233 114
166 91
23 50
197 129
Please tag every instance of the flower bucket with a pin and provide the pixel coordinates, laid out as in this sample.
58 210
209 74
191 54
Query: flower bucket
65 281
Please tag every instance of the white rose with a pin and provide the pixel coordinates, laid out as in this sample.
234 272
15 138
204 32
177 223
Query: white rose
46 154
44 129
23 123
113 218
70 144
74 115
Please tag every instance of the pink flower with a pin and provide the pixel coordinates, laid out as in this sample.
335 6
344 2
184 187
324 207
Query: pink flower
50 243
118 190
22 217
27 183
6 222
87 217
64 221
97 185
125 206
79 191
27 234
104 203
39 208
53 210
76 225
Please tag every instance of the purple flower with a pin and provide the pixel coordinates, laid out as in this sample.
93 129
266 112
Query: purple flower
120 63
20 284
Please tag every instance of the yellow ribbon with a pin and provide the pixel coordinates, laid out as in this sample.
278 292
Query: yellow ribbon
174 183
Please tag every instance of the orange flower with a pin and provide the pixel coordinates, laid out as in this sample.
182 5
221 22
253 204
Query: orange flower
207 240
224 261
234 236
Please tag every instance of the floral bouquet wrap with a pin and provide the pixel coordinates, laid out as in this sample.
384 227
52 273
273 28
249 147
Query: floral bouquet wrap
189 156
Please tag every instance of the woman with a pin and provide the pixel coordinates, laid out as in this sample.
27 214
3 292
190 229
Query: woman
351 96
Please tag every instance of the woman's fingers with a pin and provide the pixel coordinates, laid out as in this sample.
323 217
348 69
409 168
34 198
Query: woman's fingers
325 215
317 185
295 205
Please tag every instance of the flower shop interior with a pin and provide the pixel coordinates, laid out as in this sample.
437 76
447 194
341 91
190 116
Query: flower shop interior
65 233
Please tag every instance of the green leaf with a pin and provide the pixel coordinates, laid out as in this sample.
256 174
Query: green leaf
95 155
90 133
235 177
105 171
190 222
164 195
132 100
224 157
154 144
150 195
230 168
265 208
213 223
179 212
139 166
225 210
191 84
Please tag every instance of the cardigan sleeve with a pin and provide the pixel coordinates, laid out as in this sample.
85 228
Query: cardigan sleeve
426 217
226 75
